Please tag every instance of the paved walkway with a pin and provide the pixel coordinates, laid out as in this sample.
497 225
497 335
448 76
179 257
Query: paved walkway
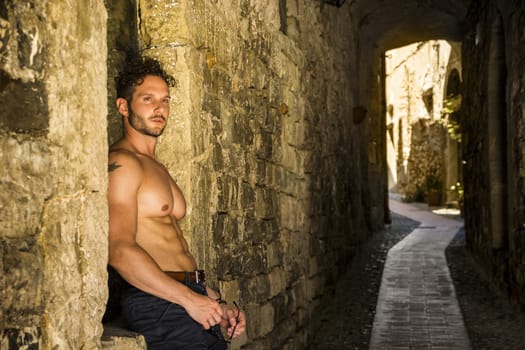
417 306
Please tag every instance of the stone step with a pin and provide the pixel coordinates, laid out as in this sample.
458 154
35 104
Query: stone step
116 337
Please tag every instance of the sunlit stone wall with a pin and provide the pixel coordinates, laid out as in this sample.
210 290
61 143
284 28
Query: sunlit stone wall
261 140
262 143
53 214
415 92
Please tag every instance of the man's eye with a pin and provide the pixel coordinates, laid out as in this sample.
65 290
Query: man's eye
166 101
147 99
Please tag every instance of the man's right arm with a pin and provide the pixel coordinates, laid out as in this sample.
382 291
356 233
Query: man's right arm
132 262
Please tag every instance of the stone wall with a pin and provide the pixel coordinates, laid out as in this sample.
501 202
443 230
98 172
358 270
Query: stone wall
495 37
425 162
53 176
516 148
415 89
261 142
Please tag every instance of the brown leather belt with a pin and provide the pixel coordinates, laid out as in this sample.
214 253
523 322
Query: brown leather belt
196 276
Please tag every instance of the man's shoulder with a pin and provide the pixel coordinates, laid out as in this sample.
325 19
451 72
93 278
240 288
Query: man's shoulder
123 158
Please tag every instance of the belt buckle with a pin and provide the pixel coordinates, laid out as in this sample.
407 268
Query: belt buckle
197 279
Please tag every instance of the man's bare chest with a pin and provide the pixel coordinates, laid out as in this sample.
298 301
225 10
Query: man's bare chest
155 196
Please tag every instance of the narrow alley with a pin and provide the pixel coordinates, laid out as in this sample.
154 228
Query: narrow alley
426 307
290 126
417 305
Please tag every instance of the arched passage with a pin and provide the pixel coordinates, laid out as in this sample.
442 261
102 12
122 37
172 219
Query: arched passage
453 160
384 26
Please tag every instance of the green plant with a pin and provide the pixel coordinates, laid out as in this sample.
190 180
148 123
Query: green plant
432 183
433 188
450 106
453 129
458 191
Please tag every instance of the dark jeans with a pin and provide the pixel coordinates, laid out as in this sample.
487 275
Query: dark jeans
167 326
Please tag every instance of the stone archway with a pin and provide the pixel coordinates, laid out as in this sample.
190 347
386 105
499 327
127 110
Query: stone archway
453 159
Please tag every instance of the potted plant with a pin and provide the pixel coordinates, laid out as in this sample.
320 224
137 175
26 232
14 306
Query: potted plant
457 190
433 187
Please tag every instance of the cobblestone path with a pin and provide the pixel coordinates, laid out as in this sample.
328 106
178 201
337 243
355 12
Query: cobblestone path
346 316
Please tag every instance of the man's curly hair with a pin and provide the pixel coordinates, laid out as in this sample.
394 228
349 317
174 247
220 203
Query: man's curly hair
136 69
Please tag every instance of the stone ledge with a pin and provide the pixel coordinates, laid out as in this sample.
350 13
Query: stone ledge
116 337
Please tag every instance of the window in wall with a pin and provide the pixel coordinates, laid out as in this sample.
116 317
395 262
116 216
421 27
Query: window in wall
428 100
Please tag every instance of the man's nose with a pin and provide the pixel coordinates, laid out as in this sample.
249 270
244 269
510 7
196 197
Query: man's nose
159 107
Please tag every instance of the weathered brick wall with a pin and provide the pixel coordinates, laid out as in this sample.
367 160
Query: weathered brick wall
426 159
474 126
121 38
369 160
504 263
261 142
53 183
415 89
515 27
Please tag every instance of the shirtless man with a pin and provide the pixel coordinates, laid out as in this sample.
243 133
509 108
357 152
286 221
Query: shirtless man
164 298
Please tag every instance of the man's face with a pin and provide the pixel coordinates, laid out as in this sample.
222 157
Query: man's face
150 106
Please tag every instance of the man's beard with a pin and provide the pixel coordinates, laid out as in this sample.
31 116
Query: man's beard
138 123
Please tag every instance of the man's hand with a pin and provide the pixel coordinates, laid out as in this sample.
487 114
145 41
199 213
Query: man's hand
205 310
233 320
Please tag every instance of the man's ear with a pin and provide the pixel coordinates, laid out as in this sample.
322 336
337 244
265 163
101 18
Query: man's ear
122 106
